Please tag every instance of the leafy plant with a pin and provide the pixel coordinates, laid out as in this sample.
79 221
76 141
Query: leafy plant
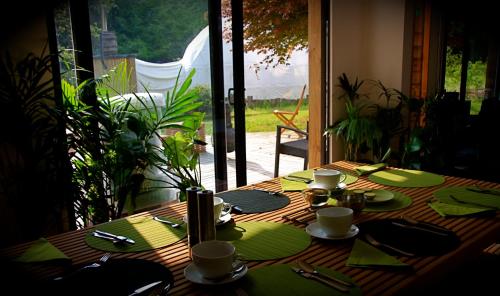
357 130
32 162
389 118
109 171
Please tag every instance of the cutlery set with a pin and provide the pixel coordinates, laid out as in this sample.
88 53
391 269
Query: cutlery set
120 239
307 271
116 239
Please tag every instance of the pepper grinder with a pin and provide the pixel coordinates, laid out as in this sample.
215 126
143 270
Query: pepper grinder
206 215
192 217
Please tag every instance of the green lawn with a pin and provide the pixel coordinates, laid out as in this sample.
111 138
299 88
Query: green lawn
261 118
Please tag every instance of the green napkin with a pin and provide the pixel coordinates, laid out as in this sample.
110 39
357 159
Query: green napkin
366 169
463 201
450 210
365 255
280 279
41 250
466 197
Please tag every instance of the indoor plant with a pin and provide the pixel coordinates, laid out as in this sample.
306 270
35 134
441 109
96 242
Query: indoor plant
113 169
358 130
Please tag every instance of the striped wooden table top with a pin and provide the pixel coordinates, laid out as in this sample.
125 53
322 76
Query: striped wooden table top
475 233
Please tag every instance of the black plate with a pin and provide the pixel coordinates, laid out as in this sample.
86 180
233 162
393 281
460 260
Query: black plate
418 242
115 277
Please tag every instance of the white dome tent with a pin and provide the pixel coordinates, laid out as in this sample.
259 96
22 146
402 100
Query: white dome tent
275 82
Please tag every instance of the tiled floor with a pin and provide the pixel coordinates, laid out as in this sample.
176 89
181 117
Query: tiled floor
260 160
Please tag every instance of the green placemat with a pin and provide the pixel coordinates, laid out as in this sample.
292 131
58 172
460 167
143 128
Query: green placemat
365 255
289 185
468 198
41 250
400 201
147 233
280 279
406 178
259 240
366 169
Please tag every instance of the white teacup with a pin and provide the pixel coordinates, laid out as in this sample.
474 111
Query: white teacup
213 259
220 208
327 178
335 221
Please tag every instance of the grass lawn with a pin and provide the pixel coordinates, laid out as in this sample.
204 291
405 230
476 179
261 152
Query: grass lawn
261 118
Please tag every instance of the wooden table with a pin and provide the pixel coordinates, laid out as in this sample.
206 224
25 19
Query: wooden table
475 234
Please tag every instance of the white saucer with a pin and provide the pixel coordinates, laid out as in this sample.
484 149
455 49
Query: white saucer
193 275
324 186
381 196
314 229
222 220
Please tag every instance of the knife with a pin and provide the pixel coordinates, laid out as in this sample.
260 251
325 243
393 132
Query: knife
308 275
298 179
145 288
419 228
116 237
484 191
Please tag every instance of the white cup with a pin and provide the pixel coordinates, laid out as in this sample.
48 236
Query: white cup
213 259
335 221
328 179
220 208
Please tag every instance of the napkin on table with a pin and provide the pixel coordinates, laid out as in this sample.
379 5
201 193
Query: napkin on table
450 210
365 255
41 250
366 169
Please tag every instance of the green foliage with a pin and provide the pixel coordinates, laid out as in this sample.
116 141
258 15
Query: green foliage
31 156
157 31
272 27
476 73
357 130
118 141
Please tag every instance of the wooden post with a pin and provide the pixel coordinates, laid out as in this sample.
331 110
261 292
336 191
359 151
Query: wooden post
317 81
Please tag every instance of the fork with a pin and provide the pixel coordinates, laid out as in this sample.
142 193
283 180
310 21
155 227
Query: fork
102 260
376 243
96 264
267 191
174 225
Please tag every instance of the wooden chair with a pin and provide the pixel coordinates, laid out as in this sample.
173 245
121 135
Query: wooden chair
287 117
295 148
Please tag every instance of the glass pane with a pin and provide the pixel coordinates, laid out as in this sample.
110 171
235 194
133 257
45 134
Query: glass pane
476 70
275 71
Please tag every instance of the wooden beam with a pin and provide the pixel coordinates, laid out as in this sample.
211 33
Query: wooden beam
317 81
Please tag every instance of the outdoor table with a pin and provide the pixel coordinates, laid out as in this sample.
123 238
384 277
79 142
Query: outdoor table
475 233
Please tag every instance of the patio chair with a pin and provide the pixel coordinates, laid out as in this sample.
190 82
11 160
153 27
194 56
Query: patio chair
295 148
287 117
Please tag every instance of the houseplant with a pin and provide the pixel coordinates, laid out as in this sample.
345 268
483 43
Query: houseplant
358 130
33 171
113 169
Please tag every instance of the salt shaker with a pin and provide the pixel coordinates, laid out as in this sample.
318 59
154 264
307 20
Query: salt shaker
206 215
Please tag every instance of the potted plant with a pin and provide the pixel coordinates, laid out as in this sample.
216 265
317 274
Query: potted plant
113 169
358 130
33 171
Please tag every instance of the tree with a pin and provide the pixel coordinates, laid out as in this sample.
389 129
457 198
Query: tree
157 31
271 27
